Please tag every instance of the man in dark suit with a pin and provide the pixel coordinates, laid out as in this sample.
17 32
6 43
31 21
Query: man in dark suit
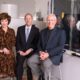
26 45
51 44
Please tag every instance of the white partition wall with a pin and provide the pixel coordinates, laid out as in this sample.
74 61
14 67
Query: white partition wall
11 9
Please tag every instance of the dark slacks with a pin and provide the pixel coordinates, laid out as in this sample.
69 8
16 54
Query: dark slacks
19 68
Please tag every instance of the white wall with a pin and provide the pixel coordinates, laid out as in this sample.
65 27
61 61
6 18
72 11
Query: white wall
41 5
34 6
31 6
24 6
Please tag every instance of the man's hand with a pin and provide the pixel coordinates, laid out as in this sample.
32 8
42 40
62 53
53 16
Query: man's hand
21 53
43 55
26 53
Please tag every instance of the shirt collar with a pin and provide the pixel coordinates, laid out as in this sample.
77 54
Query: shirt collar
28 27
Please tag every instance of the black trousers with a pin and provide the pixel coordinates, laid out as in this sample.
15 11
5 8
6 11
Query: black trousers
19 68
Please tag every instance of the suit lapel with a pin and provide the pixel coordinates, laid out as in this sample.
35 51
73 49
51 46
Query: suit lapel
23 34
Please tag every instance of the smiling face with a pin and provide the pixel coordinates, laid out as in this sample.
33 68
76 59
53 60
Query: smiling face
4 23
51 21
28 20
5 19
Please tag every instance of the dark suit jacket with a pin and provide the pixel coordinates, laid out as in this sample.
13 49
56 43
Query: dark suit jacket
54 45
32 41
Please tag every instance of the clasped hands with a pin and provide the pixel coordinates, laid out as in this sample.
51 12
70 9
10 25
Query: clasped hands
43 55
22 53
